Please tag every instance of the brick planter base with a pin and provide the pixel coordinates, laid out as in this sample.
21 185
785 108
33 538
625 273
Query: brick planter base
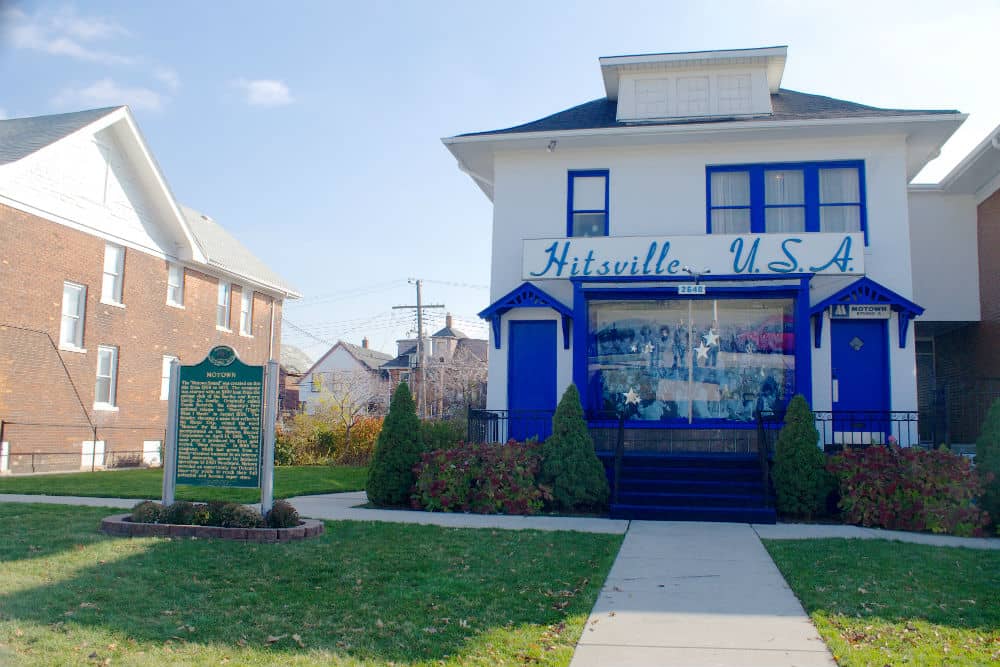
122 526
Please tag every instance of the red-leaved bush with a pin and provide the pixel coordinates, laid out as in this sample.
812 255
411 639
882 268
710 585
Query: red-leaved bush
909 489
480 478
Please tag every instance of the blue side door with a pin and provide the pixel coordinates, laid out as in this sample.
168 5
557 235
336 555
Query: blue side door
531 378
860 365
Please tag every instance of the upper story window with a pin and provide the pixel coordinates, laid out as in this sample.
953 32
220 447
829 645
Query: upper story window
74 307
787 198
114 268
222 305
587 203
246 311
175 285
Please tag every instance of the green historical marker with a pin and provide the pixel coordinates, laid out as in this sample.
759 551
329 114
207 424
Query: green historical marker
219 409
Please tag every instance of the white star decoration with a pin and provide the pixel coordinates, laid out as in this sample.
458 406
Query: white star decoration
648 348
711 338
631 398
702 351
635 348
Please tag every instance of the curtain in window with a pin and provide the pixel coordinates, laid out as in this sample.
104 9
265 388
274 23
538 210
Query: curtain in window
731 188
839 186
785 189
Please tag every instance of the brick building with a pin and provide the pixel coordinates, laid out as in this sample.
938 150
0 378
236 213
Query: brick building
104 278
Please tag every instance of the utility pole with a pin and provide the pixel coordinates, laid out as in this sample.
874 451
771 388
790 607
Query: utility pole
421 389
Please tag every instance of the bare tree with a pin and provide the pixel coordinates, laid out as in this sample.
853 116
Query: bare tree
347 397
457 384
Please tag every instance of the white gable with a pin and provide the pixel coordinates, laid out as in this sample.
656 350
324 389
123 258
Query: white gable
94 180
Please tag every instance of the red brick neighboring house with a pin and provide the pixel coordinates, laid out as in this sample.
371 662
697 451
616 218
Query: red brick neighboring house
104 277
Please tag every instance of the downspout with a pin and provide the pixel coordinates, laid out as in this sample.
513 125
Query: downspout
270 337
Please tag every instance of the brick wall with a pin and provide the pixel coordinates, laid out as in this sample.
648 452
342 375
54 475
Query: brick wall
36 381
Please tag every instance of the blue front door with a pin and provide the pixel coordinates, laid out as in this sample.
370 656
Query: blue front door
531 378
860 364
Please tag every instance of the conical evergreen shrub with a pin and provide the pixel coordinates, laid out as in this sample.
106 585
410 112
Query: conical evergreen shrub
570 468
801 481
398 449
988 462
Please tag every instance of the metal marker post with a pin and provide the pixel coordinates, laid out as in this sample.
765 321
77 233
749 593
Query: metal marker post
170 445
270 417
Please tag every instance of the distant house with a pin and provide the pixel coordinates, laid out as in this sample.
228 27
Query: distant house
455 370
294 364
346 368
105 278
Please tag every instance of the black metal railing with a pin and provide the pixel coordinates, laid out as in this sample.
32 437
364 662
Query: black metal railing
856 429
838 429
504 425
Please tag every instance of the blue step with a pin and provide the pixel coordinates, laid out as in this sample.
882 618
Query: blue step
690 486
698 473
692 499
696 513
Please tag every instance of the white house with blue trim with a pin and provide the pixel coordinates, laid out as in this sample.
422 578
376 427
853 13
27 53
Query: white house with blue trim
699 245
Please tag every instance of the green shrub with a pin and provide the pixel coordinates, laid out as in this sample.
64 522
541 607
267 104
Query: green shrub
201 516
441 433
321 439
570 469
909 489
284 452
181 512
241 516
282 515
988 462
480 478
801 481
147 512
397 451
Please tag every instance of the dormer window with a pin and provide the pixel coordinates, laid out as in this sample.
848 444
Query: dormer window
587 203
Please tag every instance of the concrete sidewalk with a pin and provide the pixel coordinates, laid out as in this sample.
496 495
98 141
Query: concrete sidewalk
813 531
697 594
343 506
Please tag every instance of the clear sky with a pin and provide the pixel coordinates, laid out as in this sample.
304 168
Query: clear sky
311 130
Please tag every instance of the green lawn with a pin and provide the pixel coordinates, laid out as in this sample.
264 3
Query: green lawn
147 483
887 603
361 594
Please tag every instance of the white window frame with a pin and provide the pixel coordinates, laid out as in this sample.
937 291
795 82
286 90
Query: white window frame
165 376
80 317
246 311
224 304
175 282
111 403
115 273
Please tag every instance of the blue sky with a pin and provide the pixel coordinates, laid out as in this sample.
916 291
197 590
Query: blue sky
312 130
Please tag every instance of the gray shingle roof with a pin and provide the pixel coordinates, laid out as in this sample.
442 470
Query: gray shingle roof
225 251
373 359
786 105
403 360
20 137
448 332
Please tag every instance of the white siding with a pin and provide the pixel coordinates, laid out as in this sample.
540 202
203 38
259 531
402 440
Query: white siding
945 256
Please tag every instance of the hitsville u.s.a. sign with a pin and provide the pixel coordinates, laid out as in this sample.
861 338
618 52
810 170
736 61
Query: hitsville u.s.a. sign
718 254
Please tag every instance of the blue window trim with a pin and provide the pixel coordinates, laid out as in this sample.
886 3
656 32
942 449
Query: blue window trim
582 295
591 173
811 192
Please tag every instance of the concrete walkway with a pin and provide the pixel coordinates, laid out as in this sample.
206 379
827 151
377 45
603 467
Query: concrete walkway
697 594
806 531
341 506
